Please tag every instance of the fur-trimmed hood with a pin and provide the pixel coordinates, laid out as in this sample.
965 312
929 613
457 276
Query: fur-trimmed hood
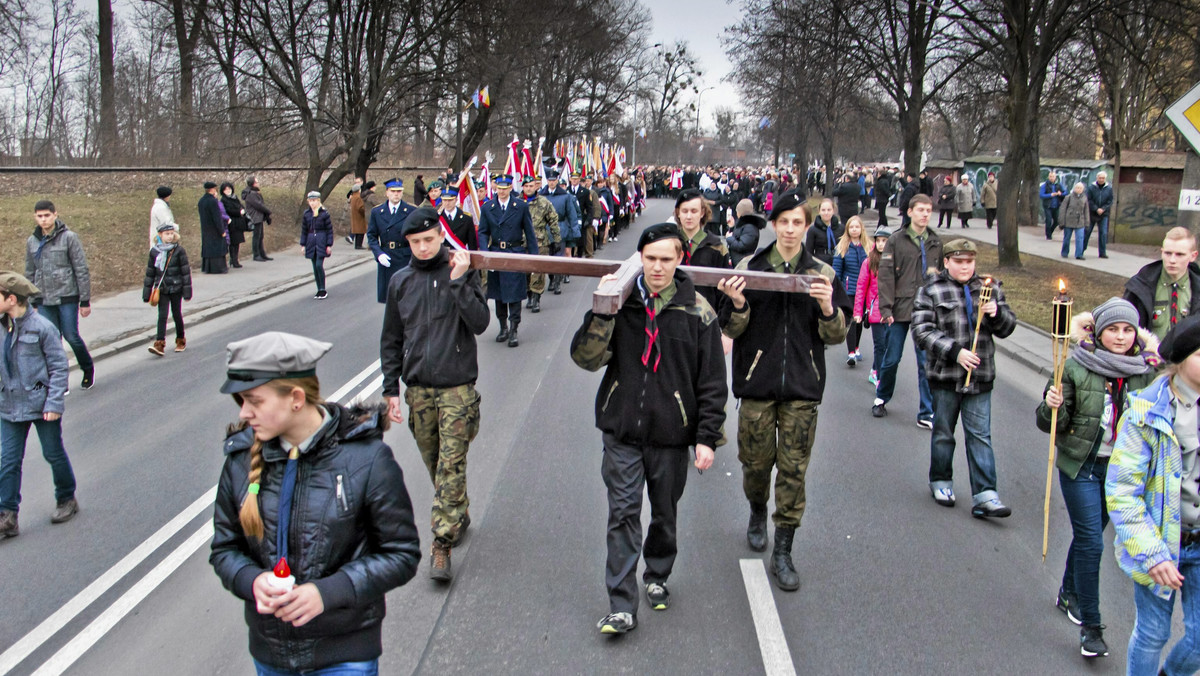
358 422
1083 327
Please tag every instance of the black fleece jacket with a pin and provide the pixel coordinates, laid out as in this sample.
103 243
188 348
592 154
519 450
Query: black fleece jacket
680 404
429 326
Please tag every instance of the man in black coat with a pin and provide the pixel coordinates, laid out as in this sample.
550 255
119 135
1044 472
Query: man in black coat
910 190
587 232
846 193
214 232
883 193
1168 290
420 193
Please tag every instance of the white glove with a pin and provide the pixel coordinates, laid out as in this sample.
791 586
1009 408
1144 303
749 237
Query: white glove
385 260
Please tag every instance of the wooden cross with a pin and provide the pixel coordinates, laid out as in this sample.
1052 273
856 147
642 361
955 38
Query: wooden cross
611 294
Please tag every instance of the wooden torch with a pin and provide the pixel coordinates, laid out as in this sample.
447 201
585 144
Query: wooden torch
1060 336
985 297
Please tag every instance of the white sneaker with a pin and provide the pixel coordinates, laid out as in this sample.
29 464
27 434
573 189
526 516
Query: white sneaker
944 496
925 424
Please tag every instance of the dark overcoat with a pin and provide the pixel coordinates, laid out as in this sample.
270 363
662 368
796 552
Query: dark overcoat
509 230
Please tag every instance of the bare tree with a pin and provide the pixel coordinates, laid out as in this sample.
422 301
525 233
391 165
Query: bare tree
673 73
108 108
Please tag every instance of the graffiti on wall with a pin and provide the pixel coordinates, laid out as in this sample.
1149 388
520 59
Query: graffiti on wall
1148 205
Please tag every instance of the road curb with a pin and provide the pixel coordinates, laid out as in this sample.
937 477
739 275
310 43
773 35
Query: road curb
134 338
1038 362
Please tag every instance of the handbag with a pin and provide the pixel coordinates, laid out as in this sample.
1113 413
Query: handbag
154 292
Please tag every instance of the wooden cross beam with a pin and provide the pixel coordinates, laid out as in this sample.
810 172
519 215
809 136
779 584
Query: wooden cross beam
611 294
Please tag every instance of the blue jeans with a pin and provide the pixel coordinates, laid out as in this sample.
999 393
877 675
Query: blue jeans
1152 629
976 413
12 455
1084 496
894 336
1051 216
1102 222
1079 243
65 318
344 669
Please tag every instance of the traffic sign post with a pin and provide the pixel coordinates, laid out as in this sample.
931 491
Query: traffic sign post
1185 115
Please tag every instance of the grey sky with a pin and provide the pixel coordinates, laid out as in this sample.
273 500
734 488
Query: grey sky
700 23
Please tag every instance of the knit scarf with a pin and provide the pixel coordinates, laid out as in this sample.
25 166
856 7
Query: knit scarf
162 249
1111 364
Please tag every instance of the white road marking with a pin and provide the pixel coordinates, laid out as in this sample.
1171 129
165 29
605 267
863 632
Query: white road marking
59 619
53 624
777 659
371 388
100 626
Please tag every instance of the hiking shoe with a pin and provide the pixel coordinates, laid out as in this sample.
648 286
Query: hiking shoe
873 378
990 508
439 562
617 623
8 525
1091 641
944 496
1067 603
89 379
657 594
878 410
180 344
925 423
158 347
65 511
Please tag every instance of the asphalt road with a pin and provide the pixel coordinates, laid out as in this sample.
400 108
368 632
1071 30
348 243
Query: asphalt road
892 583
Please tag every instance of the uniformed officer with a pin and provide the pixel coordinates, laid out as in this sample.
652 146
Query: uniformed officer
587 230
505 225
459 224
384 238
567 208
436 301
545 224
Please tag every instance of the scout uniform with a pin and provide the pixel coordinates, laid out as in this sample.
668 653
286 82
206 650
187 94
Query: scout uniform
385 240
507 227
429 326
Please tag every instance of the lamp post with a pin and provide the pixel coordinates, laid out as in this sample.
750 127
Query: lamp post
700 96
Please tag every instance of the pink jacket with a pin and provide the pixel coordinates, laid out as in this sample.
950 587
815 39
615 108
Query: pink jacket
867 293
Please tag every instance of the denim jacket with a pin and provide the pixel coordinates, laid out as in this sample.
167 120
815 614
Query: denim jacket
36 380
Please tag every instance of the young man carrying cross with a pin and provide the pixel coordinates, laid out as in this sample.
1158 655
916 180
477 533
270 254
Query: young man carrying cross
663 391
779 375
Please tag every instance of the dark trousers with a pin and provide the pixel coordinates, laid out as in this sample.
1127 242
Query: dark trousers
853 333
318 265
991 217
65 318
963 216
173 303
627 469
358 240
945 216
879 340
508 313
881 207
12 454
1084 496
256 241
233 253
1050 214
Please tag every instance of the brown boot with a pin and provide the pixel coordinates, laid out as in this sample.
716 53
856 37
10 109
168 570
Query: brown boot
158 347
180 344
65 511
439 563
8 525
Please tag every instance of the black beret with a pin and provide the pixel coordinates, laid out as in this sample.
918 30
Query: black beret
687 196
786 202
163 192
420 220
209 185
658 232
1181 341
368 185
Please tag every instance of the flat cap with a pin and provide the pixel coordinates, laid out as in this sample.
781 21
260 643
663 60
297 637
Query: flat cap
959 247
273 355
1181 341
658 232
209 185
420 220
166 226
18 284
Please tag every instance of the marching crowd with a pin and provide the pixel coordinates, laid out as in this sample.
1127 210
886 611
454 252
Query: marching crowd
313 523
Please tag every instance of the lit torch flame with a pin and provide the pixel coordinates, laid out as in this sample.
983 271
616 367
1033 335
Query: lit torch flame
987 281
1062 286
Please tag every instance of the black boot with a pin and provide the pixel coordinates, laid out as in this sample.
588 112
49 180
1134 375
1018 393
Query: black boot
756 532
503 331
512 335
556 285
535 303
529 300
781 560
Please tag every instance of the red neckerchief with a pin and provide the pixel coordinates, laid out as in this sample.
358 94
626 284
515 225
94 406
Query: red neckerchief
652 346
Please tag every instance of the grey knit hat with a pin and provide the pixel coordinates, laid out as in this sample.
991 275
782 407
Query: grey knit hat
1112 311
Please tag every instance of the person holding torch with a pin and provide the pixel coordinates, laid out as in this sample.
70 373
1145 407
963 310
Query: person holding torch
943 324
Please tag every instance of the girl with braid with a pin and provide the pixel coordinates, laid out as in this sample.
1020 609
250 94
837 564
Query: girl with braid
312 523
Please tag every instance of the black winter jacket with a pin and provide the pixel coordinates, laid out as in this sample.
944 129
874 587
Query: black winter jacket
177 278
744 240
711 252
1139 290
352 535
429 326
680 404
779 338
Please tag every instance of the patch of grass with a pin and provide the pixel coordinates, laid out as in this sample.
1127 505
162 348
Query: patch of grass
1030 288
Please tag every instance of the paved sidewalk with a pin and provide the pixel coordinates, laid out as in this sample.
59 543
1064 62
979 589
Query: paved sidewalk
121 321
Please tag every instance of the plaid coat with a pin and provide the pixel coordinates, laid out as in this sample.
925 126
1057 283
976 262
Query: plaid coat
1143 483
940 327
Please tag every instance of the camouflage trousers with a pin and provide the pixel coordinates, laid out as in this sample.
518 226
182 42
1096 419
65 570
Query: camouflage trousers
537 280
779 435
444 421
